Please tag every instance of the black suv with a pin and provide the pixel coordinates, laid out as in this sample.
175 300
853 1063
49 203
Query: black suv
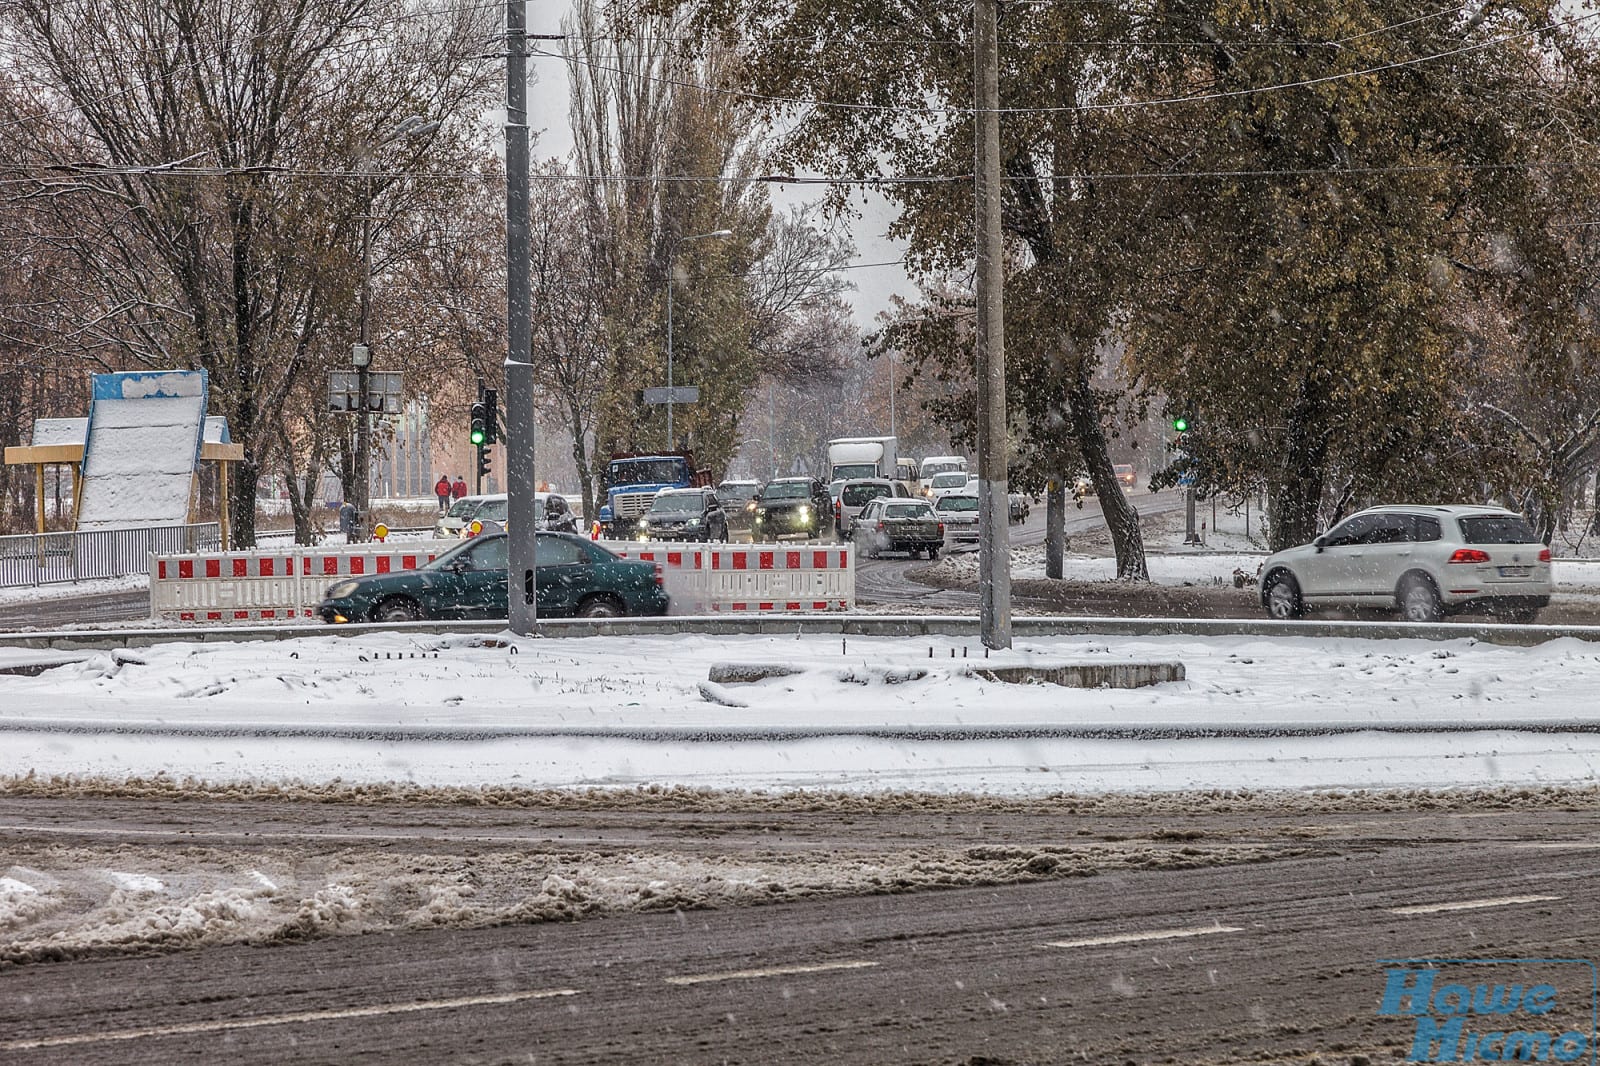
685 514
788 506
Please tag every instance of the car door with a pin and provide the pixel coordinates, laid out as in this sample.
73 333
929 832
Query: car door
564 576
482 583
1386 554
1336 569
714 521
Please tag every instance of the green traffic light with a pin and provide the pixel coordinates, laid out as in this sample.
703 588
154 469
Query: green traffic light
1180 424
477 435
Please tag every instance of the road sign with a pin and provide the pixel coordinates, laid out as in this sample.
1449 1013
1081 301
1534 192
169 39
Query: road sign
677 394
385 391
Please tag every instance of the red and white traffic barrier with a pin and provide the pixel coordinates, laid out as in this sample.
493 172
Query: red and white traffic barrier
766 578
268 584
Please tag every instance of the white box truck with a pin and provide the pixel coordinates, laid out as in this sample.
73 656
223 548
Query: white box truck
853 457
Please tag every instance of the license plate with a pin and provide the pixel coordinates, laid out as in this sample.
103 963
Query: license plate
1515 571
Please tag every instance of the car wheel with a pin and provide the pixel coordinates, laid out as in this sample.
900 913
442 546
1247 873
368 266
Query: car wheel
933 553
1419 600
1282 596
397 609
600 607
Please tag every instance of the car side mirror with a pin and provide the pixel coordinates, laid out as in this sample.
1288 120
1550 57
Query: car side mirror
1320 543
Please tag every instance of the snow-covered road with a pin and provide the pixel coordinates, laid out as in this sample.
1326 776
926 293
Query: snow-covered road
467 710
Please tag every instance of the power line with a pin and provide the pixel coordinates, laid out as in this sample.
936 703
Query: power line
1075 108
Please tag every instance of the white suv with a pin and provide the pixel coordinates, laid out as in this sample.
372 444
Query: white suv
1423 561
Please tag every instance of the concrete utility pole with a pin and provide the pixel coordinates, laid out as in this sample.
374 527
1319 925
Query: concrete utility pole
994 523
521 520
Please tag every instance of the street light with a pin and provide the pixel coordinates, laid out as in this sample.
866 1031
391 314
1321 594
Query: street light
672 255
361 351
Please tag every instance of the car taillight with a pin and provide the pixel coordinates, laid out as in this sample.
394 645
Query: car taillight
1469 555
941 529
880 527
838 508
661 577
1544 556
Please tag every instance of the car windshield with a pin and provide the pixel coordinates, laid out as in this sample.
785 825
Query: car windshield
786 490
1497 529
464 507
648 472
677 503
737 490
907 510
850 470
492 511
949 481
858 495
958 503
933 469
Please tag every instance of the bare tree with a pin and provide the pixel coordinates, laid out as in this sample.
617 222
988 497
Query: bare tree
211 179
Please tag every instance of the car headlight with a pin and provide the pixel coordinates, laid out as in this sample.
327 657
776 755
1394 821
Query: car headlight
805 512
644 523
692 522
343 589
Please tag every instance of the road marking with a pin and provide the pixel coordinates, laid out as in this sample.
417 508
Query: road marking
1561 845
226 1025
1134 938
775 971
1471 904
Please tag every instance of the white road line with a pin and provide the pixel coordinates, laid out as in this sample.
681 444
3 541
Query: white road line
226 1025
775 971
1134 938
1471 904
1560 845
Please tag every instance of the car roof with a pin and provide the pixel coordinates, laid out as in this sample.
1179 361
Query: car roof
694 489
867 481
1453 509
787 480
739 481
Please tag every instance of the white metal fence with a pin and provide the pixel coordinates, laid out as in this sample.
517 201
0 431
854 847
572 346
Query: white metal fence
33 559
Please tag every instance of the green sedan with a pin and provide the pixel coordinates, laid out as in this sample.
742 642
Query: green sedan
576 578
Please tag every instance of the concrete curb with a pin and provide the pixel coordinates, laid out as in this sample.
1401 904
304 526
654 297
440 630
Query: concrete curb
839 625
743 733
1081 675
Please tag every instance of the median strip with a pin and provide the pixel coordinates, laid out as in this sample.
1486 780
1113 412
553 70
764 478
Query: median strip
1135 938
1471 904
230 1024
775 971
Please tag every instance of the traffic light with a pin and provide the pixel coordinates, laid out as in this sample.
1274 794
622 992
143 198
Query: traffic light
491 416
1180 424
483 462
478 433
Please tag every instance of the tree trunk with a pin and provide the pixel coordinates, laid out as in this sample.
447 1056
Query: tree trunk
246 476
1122 520
580 456
1055 528
1295 497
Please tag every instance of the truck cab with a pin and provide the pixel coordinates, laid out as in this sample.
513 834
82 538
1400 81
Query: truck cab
631 483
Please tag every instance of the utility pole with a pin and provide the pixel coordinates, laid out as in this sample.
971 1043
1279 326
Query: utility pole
521 520
361 356
994 524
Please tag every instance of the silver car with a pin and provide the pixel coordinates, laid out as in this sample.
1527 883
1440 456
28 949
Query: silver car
1423 561
855 494
959 513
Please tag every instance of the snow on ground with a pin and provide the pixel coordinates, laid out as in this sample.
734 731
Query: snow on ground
67 590
624 712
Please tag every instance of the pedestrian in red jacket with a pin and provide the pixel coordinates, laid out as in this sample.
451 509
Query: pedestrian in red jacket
442 490
459 489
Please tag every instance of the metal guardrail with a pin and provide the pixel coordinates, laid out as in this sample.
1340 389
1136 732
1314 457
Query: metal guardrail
33 559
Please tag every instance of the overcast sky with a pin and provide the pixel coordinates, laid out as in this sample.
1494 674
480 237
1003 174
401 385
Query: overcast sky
548 116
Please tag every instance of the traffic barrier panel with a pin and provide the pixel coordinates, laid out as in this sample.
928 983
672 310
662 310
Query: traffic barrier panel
755 578
268 584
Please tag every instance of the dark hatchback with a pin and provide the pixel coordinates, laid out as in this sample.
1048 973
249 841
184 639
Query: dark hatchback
576 578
